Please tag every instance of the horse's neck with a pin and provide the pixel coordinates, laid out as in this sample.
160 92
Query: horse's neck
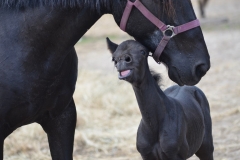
44 31
58 27
151 101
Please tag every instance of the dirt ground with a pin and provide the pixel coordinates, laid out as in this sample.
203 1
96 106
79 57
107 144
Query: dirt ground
108 114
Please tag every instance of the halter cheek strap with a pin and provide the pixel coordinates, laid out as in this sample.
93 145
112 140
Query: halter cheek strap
163 27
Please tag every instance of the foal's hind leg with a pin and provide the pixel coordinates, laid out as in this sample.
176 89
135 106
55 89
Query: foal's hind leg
60 131
205 152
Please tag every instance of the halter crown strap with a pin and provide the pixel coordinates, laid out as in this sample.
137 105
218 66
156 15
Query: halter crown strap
126 14
144 11
163 27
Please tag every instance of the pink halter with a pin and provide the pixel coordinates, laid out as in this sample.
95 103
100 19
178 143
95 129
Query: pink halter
163 27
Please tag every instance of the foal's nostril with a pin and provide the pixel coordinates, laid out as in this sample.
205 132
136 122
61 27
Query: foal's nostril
128 59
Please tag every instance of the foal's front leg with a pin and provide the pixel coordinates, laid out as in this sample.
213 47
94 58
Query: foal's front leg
60 131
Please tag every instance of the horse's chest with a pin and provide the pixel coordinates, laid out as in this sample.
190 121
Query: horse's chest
22 101
30 88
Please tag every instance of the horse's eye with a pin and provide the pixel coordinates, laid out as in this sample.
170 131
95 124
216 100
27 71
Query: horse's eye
143 52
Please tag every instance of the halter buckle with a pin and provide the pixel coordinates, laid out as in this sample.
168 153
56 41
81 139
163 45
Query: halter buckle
169 32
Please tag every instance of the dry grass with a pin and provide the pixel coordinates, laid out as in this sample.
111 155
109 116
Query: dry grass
108 115
105 104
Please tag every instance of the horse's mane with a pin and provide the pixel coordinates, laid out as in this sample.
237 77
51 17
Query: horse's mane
18 4
93 4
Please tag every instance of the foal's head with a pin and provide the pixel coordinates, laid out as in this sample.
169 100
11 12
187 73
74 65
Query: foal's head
130 58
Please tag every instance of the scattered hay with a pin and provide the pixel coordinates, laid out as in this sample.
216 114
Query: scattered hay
108 115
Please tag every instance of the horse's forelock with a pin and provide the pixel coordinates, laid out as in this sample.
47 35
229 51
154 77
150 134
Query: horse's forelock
168 8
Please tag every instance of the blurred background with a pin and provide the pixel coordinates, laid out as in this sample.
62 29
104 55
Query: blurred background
108 115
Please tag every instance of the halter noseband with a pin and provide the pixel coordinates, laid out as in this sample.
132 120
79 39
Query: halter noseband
167 30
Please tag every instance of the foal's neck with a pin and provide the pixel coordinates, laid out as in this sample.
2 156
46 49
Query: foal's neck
151 101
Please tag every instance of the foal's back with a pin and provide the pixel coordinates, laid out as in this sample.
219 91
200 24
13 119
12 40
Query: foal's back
196 111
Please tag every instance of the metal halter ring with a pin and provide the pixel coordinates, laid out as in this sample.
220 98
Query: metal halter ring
166 32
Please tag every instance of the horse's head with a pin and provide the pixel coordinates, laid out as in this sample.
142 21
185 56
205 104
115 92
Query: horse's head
186 54
130 59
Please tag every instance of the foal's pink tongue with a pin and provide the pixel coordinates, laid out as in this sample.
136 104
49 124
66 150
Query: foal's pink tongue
125 73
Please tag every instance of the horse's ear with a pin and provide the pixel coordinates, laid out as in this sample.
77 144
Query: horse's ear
111 46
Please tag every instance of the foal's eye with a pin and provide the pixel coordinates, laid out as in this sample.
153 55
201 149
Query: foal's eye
128 59
113 59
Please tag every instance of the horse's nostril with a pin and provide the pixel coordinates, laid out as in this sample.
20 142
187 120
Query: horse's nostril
201 70
128 59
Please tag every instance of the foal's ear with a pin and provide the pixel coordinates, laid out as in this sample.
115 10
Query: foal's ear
111 46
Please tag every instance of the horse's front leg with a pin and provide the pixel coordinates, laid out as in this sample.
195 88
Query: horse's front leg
1 147
5 130
60 131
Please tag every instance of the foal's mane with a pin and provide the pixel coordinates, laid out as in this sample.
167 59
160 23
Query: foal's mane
157 77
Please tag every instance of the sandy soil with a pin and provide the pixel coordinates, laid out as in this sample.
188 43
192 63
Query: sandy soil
108 115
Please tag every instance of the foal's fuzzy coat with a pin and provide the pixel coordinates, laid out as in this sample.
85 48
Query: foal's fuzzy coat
175 123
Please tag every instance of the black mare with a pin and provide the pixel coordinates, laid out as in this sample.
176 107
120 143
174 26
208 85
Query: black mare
38 62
